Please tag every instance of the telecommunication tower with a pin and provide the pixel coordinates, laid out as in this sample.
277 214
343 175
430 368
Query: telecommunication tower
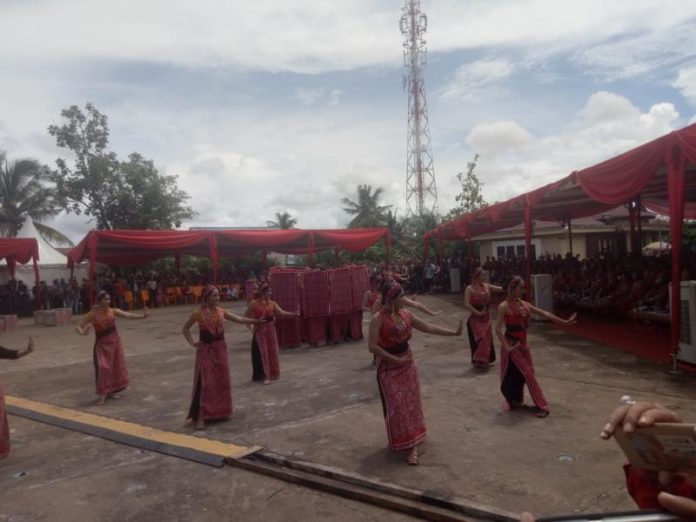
421 192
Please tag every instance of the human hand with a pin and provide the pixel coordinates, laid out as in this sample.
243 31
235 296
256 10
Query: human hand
637 414
511 348
434 314
572 319
400 360
527 517
682 506
146 312
30 346
460 328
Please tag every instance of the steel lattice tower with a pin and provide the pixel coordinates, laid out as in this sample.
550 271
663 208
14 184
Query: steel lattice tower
421 192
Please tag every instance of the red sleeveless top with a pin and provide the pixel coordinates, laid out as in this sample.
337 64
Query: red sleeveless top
393 333
480 297
212 321
263 310
517 319
103 319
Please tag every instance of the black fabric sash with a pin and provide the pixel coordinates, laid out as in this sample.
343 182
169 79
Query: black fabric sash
478 308
399 349
104 333
515 331
207 337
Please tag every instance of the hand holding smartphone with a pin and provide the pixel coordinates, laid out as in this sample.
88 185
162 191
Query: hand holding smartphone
666 446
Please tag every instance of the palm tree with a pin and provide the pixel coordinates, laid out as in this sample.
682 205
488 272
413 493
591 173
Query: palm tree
284 221
367 210
23 196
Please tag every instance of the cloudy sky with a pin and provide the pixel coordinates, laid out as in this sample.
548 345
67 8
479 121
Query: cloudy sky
267 106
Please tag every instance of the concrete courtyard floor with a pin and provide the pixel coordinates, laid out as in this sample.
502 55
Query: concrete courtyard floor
324 409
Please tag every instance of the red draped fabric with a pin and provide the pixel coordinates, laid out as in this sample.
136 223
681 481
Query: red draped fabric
20 250
661 206
620 178
119 247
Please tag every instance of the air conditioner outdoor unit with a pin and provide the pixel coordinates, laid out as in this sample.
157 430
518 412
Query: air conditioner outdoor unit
687 327
542 292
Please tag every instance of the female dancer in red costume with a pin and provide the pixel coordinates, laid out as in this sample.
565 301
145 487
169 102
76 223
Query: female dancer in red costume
7 353
372 300
109 360
212 387
477 297
516 366
397 374
265 361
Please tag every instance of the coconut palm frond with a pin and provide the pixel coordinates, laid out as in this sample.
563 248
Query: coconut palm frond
52 235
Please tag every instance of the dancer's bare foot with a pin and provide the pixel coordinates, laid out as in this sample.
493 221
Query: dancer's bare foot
412 457
113 396
267 381
199 425
101 399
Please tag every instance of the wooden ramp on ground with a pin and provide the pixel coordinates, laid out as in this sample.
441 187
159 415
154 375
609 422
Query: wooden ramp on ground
197 449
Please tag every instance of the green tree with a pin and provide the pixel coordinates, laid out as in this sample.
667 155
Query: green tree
25 194
470 197
367 210
283 221
116 194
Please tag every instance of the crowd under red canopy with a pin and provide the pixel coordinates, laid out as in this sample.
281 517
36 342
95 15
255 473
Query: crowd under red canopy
660 175
132 247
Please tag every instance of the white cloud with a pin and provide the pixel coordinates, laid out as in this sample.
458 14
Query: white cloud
686 83
245 149
314 35
607 125
310 96
637 53
335 97
497 137
605 106
479 79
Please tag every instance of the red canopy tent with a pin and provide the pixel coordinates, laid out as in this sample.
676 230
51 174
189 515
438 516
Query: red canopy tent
129 247
660 174
20 250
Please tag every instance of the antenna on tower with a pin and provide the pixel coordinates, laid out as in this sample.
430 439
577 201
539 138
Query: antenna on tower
421 192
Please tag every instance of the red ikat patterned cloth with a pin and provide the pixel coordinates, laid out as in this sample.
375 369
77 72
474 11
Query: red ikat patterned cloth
315 295
285 288
341 291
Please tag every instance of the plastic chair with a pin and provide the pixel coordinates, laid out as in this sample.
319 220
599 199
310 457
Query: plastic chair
197 291
128 298
144 297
